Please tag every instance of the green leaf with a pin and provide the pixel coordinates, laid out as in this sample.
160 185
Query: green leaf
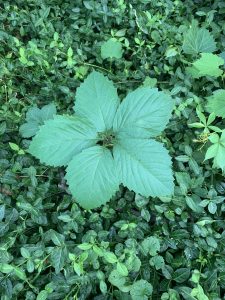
198 40
43 295
110 257
111 49
144 166
194 203
150 245
91 176
6 268
122 269
141 290
181 275
14 147
19 273
208 65
58 256
97 100
58 140
36 117
143 113
217 151
85 246
157 261
116 279
216 103
28 130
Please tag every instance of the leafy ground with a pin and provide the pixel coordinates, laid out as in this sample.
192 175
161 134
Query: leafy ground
133 247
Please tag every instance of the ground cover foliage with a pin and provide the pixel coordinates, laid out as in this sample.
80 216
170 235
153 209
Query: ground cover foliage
133 247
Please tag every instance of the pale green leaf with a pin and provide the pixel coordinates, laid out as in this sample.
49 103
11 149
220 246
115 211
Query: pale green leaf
216 103
110 257
144 166
111 49
58 140
208 65
92 178
97 100
36 117
143 113
198 40
141 290
217 152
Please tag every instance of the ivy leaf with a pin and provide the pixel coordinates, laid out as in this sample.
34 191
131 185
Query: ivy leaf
141 290
144 166
91 177
198 40
36 117
111 49
216 103
143 113
58 140
97 100
208 65
217 150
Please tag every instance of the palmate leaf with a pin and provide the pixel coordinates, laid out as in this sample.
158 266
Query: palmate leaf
97 100
217 150
143 113
58 140
216 103
198 40
144 166
91 176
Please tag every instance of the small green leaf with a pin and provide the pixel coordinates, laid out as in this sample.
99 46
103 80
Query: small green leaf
111 49
14 147
110 257
85 246
216 103
181 275
208 65
150 245
43 295
217 150
122 269
141 290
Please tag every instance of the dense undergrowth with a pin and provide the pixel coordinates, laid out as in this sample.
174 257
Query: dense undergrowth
133 247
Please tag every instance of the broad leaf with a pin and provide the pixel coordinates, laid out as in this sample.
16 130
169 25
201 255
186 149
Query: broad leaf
217 150
208 65
111 49
91 177
58 140
97 100
198 40
36 117
144 166
141 290
143 113
216 103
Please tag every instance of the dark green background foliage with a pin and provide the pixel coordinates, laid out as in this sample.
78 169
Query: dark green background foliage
175 244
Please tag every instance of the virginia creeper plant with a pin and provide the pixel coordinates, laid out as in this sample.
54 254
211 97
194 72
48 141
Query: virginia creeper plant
107 143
